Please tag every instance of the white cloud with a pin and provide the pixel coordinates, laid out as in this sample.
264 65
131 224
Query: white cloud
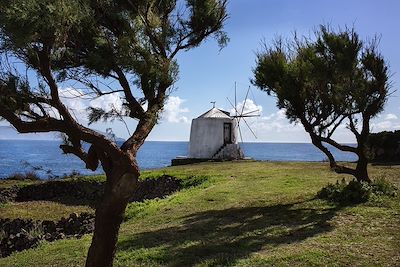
386 125
173 110
272 127
247 108
391 116
76 102
77 106
277 122
276 127
107 102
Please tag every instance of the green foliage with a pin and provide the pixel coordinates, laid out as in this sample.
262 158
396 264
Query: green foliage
325 82
83 40
32 176
318 80
15 93
383 187
357 192
384 146
37 231
2 234
32 24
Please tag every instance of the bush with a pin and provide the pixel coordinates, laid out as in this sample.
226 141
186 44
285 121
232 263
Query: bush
2 234
383 187
32 176
357 192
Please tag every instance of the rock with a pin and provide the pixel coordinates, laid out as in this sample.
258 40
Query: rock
8 194
156 188
19 237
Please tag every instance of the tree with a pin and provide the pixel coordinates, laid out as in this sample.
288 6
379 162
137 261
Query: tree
124 47
333 80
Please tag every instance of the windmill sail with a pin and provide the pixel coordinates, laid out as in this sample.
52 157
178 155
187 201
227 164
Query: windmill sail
242 114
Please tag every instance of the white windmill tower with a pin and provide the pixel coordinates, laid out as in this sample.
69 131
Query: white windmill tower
214 134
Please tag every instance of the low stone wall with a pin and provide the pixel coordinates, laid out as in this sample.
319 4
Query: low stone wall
19 234
156 188
86 192
78 190
186 161
8 194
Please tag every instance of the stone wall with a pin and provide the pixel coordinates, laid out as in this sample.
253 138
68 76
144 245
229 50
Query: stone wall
19 234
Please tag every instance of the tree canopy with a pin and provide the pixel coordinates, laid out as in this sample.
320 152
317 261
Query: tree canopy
335 79
123 47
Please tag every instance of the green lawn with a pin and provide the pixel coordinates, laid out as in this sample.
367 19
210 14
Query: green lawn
246 214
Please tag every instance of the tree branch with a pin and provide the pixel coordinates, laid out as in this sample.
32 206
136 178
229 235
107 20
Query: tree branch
42 125
136 109
339 146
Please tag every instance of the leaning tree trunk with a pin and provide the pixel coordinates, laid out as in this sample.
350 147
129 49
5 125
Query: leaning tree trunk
109 215
361 171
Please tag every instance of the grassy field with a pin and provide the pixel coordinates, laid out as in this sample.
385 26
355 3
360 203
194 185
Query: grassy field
245 214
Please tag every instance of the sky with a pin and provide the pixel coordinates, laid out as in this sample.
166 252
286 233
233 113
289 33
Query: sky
208 74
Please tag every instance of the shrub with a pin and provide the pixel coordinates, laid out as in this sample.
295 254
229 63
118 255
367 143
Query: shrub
36 232
72 174
357 192
32 176
2 234
383 187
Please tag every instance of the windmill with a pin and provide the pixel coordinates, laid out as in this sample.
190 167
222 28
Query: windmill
242 115
215 133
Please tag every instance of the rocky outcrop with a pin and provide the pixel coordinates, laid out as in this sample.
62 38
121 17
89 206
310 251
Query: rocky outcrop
8 194
19 234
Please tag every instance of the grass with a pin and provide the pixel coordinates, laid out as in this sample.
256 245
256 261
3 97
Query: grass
40 210
246 214
44 210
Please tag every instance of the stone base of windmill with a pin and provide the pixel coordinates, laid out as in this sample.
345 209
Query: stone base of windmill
229 152
226 153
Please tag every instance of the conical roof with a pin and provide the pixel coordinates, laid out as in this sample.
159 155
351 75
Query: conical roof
215 113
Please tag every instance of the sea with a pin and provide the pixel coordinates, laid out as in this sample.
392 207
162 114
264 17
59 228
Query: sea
46 160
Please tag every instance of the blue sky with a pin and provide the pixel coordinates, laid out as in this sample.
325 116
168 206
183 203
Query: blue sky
207 74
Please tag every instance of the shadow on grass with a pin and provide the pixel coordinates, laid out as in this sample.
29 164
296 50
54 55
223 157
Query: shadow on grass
221 237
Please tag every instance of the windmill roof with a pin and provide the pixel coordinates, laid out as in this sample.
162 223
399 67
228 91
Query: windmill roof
216 113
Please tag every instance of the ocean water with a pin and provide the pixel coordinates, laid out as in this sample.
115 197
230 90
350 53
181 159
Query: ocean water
46 159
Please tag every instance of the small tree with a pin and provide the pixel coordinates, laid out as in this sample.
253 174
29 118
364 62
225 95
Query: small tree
125 47
325 83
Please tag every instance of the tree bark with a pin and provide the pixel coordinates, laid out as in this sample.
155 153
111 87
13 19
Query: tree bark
109 216
361 171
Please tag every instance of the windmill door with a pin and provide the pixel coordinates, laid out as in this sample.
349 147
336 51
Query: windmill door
227 133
